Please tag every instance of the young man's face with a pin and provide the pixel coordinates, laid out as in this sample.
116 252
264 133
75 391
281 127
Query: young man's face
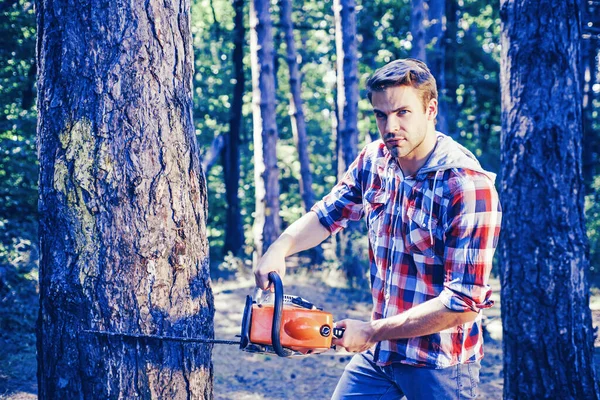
403 122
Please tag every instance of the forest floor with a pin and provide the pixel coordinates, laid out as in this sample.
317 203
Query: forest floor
240 375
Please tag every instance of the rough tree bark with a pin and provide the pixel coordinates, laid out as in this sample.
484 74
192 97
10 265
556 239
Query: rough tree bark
418 17
266 173
296 107
234 230
435 57
347 124
548 335
122 203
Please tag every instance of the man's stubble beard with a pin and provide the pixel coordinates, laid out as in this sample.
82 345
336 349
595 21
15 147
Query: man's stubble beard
396 151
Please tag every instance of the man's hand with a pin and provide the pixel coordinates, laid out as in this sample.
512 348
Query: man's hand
272 260
357 337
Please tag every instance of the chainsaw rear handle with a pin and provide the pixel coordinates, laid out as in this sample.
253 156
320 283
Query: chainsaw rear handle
277 312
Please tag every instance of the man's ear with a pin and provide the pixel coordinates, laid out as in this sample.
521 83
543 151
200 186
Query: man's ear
432 109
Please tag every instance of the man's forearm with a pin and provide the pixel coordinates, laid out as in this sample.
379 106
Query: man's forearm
305 233
424 319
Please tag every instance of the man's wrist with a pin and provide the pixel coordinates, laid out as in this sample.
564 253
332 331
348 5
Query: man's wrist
376 330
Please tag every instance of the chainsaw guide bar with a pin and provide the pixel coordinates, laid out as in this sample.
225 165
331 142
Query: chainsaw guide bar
288 326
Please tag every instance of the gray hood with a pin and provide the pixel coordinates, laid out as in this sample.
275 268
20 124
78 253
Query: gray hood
448 154
451 154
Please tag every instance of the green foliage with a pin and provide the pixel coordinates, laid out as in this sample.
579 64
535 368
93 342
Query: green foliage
383 35
592 213
18 161
478 79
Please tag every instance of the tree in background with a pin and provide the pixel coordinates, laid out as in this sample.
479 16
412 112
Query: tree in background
296 106
347 123
590 71
436 39
451 68
266 173
234 239
418 16
548 336
18 162
122 203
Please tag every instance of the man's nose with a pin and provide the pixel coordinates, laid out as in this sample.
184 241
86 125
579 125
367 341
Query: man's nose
392 124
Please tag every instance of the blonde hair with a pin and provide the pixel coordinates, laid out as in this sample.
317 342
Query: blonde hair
404 72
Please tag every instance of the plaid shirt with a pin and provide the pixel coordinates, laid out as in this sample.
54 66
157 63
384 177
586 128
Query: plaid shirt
430 235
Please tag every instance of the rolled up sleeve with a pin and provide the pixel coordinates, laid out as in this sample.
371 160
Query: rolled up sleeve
474 218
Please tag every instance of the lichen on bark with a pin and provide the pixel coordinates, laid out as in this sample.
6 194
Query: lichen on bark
74 178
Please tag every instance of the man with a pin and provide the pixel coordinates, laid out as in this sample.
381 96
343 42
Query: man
433 221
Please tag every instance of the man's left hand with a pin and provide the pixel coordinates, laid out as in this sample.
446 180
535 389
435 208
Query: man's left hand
357 337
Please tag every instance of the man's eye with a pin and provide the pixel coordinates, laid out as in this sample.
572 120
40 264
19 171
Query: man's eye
379 115
402 112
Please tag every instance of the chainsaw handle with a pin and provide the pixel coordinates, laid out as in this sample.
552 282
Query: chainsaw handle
338 332
277 312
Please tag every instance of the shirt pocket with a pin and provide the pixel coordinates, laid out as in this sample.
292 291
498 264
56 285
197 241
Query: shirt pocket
376 201
418 239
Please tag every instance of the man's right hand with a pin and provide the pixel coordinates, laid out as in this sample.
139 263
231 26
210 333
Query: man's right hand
272 260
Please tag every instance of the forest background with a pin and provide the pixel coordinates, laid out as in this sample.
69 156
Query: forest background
470 98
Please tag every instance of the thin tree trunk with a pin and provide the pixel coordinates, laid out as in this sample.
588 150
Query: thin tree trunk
28 98
347 82
548 335
436 56
451 68
210 158
347 126
418 17
296 107
368 45
266 174
589 74
234 231
122 203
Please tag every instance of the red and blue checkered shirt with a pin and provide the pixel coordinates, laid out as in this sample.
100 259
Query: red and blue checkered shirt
430 235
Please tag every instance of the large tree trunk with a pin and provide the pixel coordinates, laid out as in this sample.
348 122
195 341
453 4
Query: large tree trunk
296 107
437 54
417 30
266 174
122 203
548 336
347 124
234 230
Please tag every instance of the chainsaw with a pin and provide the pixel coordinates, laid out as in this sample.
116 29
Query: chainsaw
286 325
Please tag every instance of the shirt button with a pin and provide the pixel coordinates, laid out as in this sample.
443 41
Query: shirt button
387 296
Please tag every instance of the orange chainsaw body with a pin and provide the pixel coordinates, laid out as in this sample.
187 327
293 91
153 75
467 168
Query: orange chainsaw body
302 330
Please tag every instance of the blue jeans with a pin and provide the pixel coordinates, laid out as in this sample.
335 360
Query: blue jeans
363 379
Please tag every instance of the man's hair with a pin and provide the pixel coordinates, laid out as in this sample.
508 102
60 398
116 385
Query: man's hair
404 72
